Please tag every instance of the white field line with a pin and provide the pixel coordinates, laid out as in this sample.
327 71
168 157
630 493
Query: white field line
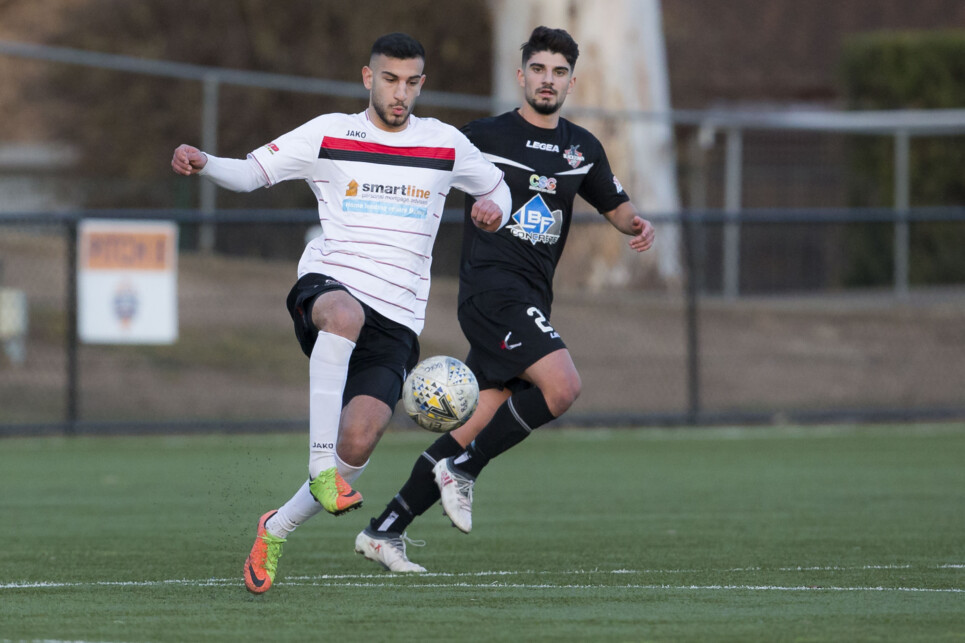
759 588
389 580
226 582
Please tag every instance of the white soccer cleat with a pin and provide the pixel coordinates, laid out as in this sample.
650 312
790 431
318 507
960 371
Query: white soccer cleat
455 490
388 550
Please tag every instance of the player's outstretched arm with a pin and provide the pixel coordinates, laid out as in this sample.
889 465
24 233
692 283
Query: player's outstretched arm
239 175
627 220
188 160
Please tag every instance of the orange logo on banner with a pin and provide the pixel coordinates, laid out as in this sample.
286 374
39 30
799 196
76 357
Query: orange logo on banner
127 250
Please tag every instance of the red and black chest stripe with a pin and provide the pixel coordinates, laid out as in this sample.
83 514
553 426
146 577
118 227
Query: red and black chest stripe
343 149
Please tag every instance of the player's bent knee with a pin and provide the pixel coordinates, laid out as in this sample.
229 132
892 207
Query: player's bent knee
562 396
340 315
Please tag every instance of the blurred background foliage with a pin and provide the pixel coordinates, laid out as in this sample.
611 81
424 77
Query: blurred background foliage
906 70
129 128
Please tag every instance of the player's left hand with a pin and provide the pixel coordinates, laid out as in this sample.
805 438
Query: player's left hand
486 215
643 234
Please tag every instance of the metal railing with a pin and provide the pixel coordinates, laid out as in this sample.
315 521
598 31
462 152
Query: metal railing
901 125
693 397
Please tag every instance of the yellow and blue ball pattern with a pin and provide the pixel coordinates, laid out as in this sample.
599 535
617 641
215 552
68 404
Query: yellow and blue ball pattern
440 394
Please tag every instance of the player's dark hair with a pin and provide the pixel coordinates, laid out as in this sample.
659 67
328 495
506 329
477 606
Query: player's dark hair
398 45
557 41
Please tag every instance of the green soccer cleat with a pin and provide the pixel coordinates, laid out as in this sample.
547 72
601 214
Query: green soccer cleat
333 493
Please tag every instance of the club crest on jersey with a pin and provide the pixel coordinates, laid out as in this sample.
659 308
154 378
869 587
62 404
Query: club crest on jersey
534 222
573 156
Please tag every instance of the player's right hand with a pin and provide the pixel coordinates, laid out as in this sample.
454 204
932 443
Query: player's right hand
486 215
188 160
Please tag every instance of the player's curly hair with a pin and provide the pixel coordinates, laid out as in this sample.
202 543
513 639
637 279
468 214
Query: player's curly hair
398 45
557 41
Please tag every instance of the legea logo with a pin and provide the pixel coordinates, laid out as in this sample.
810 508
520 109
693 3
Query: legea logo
546 147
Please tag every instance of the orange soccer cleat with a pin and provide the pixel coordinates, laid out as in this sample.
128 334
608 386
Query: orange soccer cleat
262 562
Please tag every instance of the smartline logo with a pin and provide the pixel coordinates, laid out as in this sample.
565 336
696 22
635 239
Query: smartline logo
401 190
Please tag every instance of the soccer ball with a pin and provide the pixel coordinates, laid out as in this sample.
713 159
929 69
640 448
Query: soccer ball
440 394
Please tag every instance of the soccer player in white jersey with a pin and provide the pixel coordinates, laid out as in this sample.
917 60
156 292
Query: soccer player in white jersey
381 177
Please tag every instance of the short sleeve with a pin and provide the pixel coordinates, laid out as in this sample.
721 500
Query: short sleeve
602 189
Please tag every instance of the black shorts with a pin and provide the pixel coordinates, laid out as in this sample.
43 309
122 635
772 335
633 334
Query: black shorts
507 333
384 352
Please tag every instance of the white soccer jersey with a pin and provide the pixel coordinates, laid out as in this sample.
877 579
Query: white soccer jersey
380 201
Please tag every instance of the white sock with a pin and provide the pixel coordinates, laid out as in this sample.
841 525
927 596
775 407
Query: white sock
349 473
293 513
327 372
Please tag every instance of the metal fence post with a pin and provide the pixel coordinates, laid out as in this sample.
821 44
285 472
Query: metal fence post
209 143
70 415
702 141
692 321
902 204
732 206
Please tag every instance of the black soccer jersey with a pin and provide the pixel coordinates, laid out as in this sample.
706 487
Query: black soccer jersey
545 169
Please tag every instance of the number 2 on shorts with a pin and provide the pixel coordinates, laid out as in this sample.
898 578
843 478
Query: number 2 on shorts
541 322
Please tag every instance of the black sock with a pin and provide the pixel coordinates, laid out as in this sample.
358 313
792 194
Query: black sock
419 492
511 424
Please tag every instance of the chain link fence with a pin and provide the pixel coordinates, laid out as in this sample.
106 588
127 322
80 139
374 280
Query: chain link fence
647 356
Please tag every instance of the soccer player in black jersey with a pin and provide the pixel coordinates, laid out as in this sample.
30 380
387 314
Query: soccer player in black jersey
525 372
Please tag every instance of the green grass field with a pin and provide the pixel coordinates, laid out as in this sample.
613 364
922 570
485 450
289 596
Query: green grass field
765 534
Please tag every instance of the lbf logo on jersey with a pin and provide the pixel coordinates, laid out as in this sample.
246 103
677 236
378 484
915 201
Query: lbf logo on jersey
573 156
534 222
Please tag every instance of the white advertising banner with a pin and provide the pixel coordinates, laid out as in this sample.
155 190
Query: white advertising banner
127 282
